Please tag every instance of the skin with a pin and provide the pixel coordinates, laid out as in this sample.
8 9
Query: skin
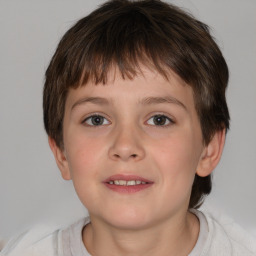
129 141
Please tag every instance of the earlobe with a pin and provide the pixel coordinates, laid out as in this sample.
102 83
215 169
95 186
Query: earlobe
211 154
60 159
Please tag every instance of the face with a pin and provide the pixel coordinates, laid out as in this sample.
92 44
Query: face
132 148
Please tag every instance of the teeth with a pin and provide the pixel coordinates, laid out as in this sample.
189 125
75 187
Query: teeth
122 182
131 183
126 183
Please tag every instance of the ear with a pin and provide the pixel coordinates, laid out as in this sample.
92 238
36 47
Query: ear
60 159
211 154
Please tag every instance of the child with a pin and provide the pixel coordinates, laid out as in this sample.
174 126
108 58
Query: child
135 110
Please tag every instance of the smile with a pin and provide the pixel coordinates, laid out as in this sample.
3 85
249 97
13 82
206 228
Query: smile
126 183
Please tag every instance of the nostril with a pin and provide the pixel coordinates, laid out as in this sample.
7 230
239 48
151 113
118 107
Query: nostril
118 156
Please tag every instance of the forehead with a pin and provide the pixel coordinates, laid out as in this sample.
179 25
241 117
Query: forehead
141 88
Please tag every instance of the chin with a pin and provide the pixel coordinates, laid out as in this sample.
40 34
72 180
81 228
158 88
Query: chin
128 219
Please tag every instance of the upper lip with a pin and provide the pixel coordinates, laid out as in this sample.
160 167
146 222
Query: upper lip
126 178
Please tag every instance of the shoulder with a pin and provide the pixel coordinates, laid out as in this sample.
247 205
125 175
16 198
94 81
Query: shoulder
45 241
38 241
227 238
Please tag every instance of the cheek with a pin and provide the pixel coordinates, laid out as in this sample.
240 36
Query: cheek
83 155
177 158
178 153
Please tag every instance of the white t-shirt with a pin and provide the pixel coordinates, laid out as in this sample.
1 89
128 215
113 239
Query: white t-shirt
216 238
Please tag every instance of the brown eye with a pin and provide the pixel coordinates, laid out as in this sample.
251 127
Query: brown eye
160 120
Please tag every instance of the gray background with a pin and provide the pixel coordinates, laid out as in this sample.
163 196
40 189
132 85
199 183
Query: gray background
31 189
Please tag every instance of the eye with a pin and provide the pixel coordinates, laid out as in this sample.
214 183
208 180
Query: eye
96 120
160 120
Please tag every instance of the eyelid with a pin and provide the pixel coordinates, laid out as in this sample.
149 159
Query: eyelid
168 117
90 115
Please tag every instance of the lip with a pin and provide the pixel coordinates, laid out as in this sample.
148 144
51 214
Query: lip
124 188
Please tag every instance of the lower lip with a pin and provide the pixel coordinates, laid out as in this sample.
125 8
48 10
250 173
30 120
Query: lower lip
128 189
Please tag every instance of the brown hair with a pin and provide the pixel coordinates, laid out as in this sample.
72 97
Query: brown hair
126 34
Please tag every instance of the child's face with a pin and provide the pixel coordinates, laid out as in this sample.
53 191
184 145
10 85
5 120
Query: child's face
145 129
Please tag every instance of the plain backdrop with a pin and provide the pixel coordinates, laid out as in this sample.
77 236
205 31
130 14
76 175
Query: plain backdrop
31 188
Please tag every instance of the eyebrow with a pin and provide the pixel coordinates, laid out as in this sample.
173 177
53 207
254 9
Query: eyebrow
94 100
159 100
144 101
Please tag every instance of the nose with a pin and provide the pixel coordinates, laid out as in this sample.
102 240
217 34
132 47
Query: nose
127 145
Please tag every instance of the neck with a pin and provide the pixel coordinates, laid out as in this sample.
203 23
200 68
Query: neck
174 237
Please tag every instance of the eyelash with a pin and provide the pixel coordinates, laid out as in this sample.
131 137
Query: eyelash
90 118
166 118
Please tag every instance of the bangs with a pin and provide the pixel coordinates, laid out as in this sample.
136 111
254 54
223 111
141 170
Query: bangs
127 43
126 38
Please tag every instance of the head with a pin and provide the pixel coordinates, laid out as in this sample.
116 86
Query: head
126 36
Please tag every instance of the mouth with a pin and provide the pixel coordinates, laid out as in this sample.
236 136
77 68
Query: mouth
127 183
